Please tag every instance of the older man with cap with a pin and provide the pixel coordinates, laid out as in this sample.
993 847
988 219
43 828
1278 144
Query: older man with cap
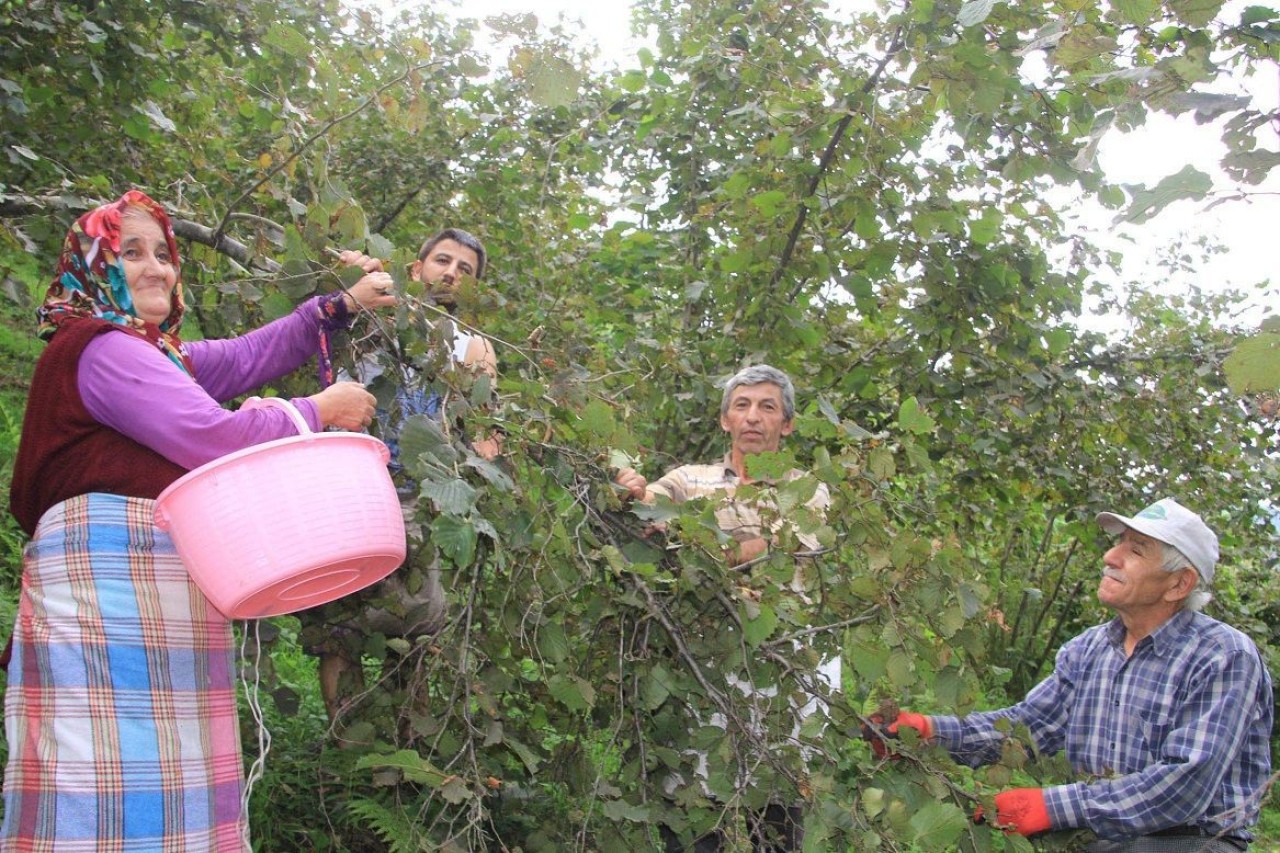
1164 713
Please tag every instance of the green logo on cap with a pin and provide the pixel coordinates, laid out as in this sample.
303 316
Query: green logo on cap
1153 511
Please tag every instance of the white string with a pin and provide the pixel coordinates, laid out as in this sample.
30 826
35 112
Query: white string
252 691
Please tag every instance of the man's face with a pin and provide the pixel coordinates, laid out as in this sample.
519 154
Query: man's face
1133 581
755 420
443 268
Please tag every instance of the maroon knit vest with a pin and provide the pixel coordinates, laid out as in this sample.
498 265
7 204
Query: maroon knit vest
64 452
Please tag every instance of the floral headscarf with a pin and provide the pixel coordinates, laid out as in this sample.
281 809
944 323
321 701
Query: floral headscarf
90 281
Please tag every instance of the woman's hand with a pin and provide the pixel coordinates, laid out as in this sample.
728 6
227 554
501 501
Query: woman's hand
346 405
352 258
375 289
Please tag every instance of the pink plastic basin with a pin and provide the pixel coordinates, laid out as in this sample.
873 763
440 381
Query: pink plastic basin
287 524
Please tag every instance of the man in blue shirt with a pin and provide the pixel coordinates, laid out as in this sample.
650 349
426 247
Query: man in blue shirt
1165 712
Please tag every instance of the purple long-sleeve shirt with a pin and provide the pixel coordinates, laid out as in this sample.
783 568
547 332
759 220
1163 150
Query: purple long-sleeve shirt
130 386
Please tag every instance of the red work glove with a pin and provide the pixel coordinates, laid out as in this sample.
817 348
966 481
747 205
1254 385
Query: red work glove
1020 810
919 722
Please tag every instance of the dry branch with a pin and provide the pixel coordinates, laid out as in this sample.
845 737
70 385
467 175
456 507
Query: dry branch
14 206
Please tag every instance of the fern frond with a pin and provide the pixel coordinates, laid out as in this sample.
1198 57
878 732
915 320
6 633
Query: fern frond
395 828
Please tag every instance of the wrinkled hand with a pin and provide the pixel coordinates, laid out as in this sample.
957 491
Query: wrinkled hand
1021 811
346 405
352 258
634 482
910 719
373 290
376 289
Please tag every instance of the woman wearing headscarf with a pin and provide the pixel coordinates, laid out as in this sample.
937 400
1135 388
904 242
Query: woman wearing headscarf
120 710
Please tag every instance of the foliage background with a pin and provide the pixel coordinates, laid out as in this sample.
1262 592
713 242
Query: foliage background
860 201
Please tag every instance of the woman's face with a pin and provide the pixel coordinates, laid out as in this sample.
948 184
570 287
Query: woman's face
149 270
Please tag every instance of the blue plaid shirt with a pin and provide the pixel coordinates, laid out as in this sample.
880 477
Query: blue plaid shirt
1178 734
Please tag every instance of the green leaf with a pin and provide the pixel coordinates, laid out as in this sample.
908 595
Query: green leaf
276 305
769 203
900 670
622 459
597 419
974 12
872 802
736 261
756 631
632 81
139 127
412 766
553 643
986 228
455 791
1195 13
422 435
881 463
950 621
1057 341
453 497
1254 365
618 810
871 660
470 66
656 687
455 537
659 511
1078 47
351 225
937 826
770 465
1190 183
524 753
481 390
553 82
1252 167
1136 11
152 110
494 475
1206 105
912 419
379 246
947 687
573 692
287 39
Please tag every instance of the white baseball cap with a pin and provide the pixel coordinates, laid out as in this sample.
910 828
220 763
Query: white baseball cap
1171 522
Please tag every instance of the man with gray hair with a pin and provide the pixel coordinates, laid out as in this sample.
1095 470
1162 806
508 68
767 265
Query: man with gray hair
756 411
1164 712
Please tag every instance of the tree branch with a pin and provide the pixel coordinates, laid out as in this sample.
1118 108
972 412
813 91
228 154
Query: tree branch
802 216
390 216
309 141
12 206
221 243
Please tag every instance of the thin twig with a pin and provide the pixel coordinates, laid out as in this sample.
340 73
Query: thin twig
309 141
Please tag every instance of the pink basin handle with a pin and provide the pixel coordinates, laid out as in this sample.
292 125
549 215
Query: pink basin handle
280 403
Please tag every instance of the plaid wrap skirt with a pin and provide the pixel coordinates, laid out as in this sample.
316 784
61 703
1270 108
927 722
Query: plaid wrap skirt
121 707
